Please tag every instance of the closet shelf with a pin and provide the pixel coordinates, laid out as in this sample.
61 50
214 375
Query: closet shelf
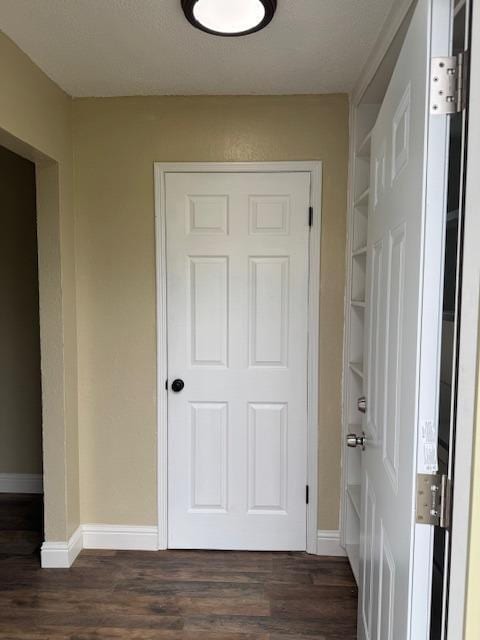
355 494
353 553
360 304
354 427
362 200
363 150
360 251
357 368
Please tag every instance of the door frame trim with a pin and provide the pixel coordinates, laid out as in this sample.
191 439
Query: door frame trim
315 170
461 613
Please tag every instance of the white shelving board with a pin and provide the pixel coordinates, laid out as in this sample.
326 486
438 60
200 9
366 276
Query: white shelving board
355 494
363 121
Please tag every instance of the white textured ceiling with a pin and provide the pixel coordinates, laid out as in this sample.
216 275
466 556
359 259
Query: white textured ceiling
146 47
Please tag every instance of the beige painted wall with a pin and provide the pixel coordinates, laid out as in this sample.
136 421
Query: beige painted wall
116 142
472 631
35 121
20 389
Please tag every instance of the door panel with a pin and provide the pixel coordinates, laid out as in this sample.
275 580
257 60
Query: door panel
208 425
404 260
237 297
268 334
267 457
368 556
207 312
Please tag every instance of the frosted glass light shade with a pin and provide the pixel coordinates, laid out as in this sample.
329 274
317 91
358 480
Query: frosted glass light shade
229 17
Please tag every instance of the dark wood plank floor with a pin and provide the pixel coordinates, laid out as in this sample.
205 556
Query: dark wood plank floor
173 595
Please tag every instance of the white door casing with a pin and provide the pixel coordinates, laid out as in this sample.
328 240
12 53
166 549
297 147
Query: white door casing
404 298
237 243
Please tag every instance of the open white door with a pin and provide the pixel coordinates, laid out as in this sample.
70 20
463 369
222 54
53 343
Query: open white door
404 302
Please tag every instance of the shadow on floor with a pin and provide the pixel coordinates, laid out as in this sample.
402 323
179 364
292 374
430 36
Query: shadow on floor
21 524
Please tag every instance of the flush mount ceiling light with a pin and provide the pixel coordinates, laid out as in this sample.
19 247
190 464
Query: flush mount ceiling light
229 17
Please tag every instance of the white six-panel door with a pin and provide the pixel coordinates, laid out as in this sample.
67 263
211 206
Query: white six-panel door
237 301
406 218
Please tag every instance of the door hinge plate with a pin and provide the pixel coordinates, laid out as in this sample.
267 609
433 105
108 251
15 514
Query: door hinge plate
310 216
447 84
307 493
433 500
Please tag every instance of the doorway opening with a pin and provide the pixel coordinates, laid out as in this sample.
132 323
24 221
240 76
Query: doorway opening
451 318
21 458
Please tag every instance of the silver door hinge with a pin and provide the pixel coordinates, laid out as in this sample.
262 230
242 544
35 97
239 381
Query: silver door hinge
433 500
447 84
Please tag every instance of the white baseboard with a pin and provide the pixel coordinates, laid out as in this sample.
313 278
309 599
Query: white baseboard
21 483
61 555
328 544
120 537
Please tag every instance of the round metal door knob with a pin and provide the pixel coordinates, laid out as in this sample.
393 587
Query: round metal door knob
177 385
362 404
356 441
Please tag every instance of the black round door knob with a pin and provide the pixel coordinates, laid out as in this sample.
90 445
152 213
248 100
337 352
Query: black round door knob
177 385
